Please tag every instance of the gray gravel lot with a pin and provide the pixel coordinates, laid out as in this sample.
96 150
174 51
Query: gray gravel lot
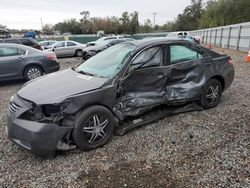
208 148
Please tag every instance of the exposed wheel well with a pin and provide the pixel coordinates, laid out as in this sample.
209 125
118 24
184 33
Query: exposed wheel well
89 105
220 79
79 50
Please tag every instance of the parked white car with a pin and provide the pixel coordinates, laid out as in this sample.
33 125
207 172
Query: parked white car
177 33
103 39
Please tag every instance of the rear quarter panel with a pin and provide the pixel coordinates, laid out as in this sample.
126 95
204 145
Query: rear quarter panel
222 68
39 60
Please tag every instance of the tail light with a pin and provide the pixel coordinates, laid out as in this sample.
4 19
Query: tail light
230 61
52 57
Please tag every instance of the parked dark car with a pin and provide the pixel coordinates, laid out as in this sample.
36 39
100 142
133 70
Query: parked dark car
24 41
123 87
99 47
19 61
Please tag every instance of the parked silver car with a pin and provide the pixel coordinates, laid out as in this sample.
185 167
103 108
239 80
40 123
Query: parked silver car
67 48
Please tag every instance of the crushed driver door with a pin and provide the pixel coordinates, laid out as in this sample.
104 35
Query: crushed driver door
144 83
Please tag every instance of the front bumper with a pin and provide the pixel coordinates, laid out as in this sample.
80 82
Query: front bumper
87 54
40 139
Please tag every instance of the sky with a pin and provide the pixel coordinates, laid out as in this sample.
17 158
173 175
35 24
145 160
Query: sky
27 14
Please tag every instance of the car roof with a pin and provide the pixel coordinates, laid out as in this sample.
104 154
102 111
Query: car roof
18 38
30 49
155 41
66 41
48 41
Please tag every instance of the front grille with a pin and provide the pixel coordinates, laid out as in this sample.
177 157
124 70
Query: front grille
13 107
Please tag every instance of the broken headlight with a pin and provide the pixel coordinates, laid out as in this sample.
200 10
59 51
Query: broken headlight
48 113
53 112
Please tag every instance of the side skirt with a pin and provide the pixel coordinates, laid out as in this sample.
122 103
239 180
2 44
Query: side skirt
155 114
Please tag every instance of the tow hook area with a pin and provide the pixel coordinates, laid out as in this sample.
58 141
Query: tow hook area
66 143
61 146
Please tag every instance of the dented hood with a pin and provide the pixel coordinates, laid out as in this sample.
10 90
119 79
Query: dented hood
55 87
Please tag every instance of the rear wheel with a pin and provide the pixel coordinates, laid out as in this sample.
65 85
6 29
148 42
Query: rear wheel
32 72
211 94
94 127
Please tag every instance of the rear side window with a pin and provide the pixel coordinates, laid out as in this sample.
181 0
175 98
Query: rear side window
180 53
26 42
11 41
8 51
71 44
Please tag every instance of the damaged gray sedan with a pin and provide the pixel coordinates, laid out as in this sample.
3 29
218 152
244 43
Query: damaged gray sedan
123 87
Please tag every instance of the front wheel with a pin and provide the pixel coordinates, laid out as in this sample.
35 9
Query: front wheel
94 127
211 94
78 53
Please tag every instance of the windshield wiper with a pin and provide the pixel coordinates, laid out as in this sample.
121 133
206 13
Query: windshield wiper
86 73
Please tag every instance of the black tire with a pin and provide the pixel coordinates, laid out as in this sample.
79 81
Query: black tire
85 133
78 53
211 94
32 72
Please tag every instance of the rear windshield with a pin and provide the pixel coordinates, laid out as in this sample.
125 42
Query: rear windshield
27 42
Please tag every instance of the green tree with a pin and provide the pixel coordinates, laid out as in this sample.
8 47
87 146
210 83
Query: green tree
134 23
225 12
189 19
71 26
125 21
48 29
147 27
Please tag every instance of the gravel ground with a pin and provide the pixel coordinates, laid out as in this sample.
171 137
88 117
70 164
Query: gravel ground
196 149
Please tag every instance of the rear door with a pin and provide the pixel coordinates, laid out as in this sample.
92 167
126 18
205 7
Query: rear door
71 48
188 68
11 62
143 84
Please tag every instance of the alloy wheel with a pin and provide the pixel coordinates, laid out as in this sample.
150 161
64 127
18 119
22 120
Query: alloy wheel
33 73
95 129
212 94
